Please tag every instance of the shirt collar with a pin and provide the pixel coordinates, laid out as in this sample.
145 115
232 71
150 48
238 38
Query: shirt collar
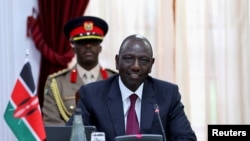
95 71
126 92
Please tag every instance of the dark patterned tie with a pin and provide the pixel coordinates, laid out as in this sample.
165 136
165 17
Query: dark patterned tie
132 121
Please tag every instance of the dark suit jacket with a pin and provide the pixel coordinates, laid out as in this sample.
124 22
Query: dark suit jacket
101 105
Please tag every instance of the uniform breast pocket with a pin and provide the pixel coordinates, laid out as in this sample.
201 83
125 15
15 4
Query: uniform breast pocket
70 103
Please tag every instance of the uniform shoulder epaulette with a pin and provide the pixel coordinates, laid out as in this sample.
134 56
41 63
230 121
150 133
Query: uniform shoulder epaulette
60 72
110 70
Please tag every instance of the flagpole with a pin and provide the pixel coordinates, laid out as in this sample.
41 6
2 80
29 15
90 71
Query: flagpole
27 55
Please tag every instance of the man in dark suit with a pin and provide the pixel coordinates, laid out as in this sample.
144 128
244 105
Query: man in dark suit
105 104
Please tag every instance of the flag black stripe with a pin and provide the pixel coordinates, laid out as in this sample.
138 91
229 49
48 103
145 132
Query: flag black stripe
26 75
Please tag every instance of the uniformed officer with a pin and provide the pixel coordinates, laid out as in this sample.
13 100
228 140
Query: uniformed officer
85 34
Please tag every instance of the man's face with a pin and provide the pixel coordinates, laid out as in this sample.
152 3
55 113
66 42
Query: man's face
134 63
87 51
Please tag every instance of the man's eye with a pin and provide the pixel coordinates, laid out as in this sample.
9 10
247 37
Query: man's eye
128 59
144 61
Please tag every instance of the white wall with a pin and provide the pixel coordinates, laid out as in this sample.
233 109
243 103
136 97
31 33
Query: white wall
13 46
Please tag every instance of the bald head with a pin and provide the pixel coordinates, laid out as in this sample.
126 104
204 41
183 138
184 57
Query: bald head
140 40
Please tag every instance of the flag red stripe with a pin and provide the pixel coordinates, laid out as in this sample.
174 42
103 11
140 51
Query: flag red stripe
34 120
19 93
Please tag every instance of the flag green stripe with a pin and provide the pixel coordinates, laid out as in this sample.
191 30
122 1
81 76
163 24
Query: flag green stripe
17 125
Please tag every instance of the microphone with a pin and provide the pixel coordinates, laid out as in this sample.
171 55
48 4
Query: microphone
157 111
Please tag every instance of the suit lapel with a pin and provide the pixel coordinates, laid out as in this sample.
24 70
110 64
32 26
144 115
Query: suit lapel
147 107
115 107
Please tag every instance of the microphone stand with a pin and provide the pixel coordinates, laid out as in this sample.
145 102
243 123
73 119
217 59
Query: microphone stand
157 111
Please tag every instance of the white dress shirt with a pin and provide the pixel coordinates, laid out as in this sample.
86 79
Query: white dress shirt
126 101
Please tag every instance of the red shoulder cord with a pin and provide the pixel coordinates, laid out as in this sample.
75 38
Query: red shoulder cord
73 76
104 73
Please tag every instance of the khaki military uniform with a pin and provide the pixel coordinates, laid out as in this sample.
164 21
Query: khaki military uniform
59 99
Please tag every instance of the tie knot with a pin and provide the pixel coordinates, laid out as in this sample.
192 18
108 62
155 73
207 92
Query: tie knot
133 98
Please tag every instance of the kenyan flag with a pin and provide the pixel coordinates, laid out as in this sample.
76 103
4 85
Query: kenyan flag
23 114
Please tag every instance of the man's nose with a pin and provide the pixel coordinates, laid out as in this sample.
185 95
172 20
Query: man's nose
88 45
136 65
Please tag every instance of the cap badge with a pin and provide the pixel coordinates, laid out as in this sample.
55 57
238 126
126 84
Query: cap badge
88 26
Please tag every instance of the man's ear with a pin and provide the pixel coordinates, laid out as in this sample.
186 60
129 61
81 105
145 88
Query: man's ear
100 48
153 60
73 47
116 62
